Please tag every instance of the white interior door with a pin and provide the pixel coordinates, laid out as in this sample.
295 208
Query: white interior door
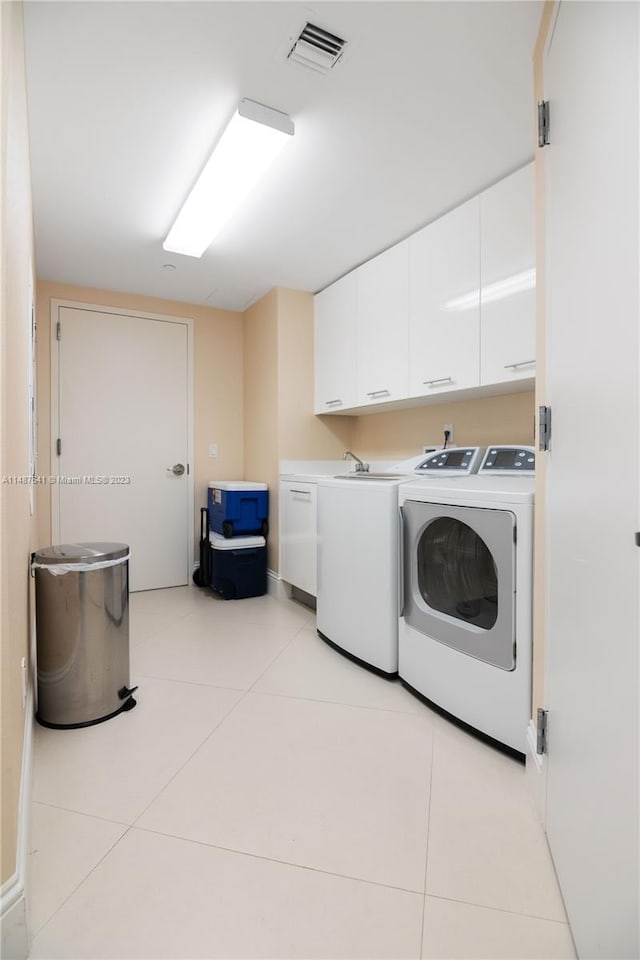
121 410
593 483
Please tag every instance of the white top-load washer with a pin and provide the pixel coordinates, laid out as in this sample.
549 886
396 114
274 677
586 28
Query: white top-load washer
465 641
359 555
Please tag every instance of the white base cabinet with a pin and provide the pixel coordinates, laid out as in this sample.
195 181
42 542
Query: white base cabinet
298 534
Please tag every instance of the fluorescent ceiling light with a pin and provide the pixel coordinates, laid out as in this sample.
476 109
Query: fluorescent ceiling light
254 137
517 283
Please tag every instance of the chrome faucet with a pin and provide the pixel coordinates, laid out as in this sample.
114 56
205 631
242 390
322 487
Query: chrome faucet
361 466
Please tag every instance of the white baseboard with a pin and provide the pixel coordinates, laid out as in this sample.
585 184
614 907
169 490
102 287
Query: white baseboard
13 900
15 935
536 774
276 587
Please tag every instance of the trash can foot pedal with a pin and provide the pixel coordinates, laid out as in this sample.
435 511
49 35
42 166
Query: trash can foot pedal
126 706
125 692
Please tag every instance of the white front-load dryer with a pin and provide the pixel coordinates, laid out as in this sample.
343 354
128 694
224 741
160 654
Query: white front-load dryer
465 636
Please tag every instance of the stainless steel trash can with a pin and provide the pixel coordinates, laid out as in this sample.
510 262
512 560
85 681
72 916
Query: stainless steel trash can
82 633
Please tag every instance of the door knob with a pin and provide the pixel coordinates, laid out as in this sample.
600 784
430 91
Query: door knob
177 469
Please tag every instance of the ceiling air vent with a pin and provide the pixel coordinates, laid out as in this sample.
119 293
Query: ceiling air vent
316 49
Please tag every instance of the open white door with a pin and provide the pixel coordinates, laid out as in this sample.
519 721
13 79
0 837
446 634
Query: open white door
591 81
121 410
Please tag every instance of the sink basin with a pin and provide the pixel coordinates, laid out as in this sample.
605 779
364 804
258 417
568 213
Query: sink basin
368 476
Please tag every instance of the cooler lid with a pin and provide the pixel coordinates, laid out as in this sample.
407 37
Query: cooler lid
70 553
236 485
218 542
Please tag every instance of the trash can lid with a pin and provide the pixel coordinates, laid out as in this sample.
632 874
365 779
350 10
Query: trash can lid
81 553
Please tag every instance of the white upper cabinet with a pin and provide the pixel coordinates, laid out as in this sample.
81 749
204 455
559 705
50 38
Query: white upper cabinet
444 303
452 308
383 315
507 269
335 318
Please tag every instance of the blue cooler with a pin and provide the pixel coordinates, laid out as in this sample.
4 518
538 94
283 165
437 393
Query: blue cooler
238 566
238 507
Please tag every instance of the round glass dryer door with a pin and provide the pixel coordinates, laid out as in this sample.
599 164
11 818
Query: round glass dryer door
460 578
457 574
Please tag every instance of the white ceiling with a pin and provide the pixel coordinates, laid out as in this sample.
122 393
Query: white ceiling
431 103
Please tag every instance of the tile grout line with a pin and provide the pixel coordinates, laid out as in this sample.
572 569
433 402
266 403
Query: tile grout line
190 757
513 913
212 732
426 856
275 660
193 683
131 826
284 863
83 880
344 703
82 813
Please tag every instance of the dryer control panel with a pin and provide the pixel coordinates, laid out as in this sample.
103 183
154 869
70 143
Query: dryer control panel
509 461
457 461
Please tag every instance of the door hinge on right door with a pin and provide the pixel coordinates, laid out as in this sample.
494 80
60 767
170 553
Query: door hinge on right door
543 123
541 731
544 428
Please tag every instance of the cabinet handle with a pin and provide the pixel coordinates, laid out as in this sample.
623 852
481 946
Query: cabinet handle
305 493
520 363
332 403
433 383
378 393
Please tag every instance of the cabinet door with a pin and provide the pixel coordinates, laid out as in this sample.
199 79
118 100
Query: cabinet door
335 345
507 267
298 535
444 303
383 289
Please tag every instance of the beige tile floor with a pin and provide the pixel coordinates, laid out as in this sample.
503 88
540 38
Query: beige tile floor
269 798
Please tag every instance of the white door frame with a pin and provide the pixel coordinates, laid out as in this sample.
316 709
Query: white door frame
55 406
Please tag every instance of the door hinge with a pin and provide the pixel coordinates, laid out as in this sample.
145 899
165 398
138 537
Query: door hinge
58 331
541 731
58 447
543 123
544 428
637 539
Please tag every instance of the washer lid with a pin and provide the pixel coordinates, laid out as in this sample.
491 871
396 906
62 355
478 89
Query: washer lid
70 553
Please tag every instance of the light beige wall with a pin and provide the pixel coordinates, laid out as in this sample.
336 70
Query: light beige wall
539 578
279 396
303 436
261 406
218 395
403 433
16 253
